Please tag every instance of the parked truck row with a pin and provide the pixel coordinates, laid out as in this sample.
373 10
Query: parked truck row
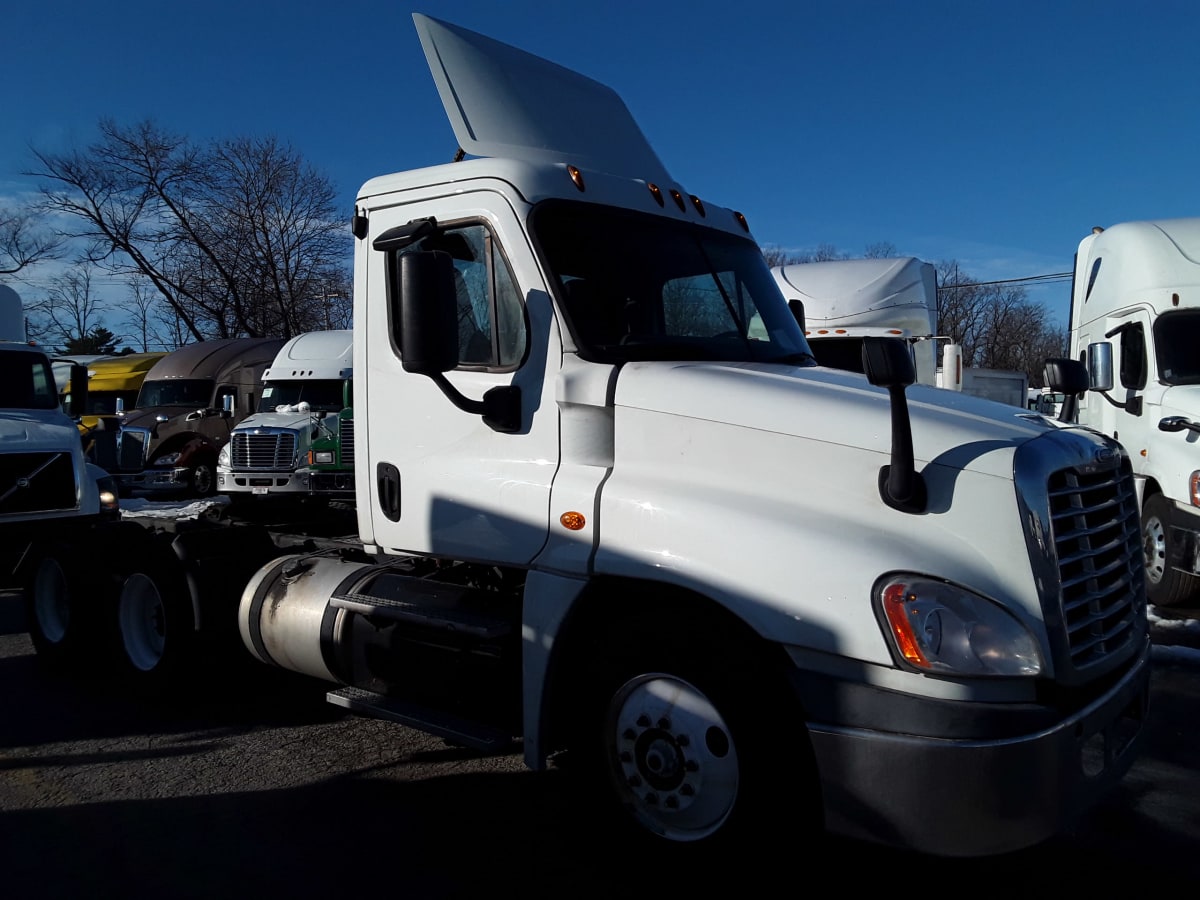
614 510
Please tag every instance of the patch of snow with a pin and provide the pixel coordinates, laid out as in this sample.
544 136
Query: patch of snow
174 509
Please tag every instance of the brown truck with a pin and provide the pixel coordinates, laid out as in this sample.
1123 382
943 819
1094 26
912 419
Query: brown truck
188 404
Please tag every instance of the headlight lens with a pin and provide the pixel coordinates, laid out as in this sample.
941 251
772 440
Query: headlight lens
167 459
110 499
940 628
223 456
322 457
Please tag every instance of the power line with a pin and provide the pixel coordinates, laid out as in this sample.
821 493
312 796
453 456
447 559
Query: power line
1050 278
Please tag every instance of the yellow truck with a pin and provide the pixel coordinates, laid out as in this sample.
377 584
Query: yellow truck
113 385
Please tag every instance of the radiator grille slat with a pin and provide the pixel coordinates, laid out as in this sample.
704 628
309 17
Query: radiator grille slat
271 452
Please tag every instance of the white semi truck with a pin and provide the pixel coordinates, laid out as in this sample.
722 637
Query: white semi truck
50 496
590 523
300 443
1135 315
846 300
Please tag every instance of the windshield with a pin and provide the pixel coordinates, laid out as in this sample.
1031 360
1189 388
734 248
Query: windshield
100 403
193 392
27 382
321 395
638 287
1176 336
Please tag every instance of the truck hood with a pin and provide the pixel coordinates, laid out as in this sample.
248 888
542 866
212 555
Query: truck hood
295 420
35 430
835 407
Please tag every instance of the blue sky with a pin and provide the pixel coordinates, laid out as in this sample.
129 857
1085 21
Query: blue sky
995 134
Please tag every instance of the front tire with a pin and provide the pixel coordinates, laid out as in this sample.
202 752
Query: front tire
691 742
204 479
64 606
1165 586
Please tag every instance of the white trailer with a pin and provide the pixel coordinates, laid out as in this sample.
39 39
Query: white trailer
1136 297
731 590
846 300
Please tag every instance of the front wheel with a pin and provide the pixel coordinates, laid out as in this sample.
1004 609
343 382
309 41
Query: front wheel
1165 586
694 747
64 601
204 479
672 757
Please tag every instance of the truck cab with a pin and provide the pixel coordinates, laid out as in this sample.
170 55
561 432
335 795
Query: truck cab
1136 296
300 442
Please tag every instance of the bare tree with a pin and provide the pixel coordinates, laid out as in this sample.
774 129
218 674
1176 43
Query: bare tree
23 242
238 238
997 325
70 311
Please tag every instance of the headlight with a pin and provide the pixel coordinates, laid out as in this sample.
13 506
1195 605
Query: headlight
943 629
322 457
223 456
110 499
167 459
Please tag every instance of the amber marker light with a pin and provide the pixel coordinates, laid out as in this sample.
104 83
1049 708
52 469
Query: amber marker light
699 206
895 599
678 198
656 193
576 177
741 220
572 521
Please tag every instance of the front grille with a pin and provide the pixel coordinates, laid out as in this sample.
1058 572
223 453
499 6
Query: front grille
36 482
1094 518
271 451
346 429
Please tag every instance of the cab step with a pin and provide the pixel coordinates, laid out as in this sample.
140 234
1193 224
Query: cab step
450 728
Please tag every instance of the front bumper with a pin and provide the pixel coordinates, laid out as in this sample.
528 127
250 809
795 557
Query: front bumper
154 480
299 483
959 795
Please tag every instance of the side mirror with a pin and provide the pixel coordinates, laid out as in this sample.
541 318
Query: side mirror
1100 366
226 406
797 308
424 305
79 390
120 410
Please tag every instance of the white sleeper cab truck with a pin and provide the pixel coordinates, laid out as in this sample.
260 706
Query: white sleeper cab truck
846 300
1135 316
588 522
50 499
300 443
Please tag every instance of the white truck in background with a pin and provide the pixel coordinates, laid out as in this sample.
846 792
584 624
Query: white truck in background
300 443
846 300
50 496
590 522
1135 317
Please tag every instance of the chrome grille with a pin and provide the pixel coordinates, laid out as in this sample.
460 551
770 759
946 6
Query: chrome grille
271 451
346 428
1095 523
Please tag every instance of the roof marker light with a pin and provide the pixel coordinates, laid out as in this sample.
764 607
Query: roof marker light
678 198
656 192
576 177
699 206
741 220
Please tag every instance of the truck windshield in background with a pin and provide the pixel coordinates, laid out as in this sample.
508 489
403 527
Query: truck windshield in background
321 396
176 392
638 287
27 382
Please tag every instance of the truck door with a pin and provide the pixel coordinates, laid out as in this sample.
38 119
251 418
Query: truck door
441 481
1124 414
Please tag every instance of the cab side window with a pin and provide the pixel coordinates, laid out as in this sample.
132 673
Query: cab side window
491 316
1133 357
